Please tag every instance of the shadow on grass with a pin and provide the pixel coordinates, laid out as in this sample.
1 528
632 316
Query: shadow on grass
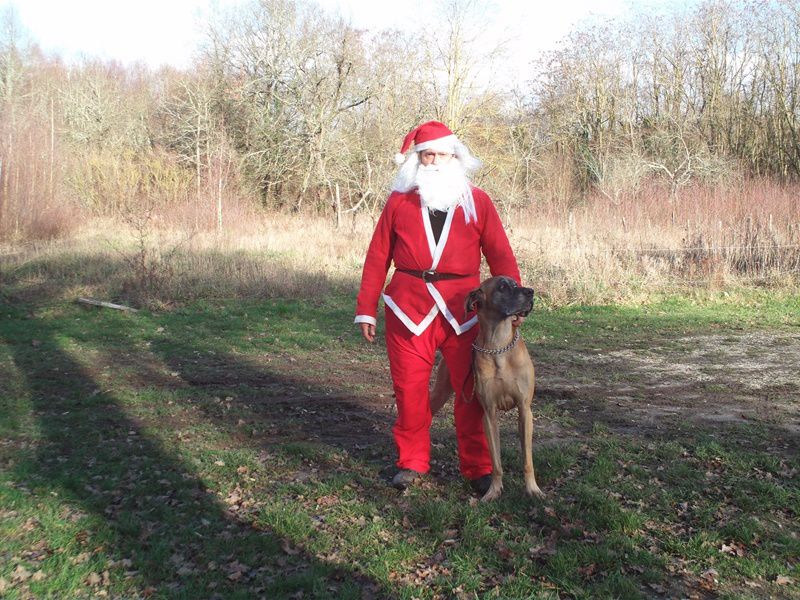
147 505
286 382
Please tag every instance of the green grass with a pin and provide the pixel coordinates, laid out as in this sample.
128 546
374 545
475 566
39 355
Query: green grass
241 449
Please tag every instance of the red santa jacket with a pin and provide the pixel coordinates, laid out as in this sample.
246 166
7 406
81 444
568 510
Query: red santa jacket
404 236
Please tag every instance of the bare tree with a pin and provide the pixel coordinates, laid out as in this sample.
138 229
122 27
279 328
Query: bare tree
459 63
11 75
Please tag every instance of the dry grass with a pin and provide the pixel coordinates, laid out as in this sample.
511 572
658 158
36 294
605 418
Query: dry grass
259 258
599 252
650 245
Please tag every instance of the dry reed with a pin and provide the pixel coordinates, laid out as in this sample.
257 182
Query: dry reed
597 252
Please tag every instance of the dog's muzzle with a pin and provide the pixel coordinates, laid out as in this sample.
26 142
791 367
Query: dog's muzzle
524 304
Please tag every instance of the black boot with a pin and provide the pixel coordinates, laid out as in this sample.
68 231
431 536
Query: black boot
481 485
405 478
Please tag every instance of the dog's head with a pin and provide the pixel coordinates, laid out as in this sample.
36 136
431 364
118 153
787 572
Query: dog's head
500 296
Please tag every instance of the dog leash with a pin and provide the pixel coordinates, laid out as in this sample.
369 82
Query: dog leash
502 350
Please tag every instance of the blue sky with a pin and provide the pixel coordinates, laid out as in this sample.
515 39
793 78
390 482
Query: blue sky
160 32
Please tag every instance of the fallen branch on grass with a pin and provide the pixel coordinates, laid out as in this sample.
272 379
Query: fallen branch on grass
106 304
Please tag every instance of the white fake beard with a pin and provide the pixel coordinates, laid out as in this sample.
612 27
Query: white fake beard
442 186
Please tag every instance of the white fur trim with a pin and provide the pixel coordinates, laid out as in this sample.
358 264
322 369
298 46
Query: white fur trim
437 256
366 319
458 327
443 144
437 249
415 328
426 221
399 158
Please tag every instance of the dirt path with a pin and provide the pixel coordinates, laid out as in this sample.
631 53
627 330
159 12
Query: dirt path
708 382
749 377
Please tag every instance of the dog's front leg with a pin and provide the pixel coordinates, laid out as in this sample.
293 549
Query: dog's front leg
526 443
492 430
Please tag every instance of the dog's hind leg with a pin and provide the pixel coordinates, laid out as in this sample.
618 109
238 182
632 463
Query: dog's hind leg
526 443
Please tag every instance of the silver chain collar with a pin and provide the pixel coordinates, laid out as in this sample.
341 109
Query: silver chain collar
502 350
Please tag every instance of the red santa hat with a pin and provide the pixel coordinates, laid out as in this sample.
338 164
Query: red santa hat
431 135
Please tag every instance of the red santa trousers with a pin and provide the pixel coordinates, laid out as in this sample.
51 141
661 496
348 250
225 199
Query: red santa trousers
411 360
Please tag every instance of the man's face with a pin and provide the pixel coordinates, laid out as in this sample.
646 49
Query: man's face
431 157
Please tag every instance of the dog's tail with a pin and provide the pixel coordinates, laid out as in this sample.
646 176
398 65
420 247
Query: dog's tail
442 388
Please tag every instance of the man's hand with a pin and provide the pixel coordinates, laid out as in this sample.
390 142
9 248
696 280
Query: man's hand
368 331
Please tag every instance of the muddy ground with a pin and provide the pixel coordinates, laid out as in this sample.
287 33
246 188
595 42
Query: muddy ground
700 380
652 390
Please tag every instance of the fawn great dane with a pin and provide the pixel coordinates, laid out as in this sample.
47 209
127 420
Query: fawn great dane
503 370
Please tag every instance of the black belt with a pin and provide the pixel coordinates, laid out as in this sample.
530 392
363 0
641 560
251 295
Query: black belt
431 275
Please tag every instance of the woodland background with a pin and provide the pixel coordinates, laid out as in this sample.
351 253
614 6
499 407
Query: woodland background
658 143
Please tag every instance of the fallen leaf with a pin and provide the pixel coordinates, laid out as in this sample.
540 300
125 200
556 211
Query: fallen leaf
234 568
451 533
3 585
733 549
235 497
20 574
30 524
783 580
287 547
708 579
504 551
93 579
452 541
587 571
543 550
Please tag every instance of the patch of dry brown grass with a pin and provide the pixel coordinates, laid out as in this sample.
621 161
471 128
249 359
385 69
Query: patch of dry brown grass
709 238
595 253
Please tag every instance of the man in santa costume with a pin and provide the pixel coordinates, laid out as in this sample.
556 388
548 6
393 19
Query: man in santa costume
434 228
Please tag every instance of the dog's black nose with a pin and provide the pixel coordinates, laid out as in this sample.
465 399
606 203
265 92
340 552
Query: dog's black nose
528 292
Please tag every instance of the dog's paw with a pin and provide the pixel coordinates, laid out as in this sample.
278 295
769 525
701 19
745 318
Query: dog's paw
534 492
493 493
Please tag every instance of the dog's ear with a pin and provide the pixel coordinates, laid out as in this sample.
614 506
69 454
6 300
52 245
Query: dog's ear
473 300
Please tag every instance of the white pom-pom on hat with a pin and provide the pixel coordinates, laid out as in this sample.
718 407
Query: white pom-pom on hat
399 158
